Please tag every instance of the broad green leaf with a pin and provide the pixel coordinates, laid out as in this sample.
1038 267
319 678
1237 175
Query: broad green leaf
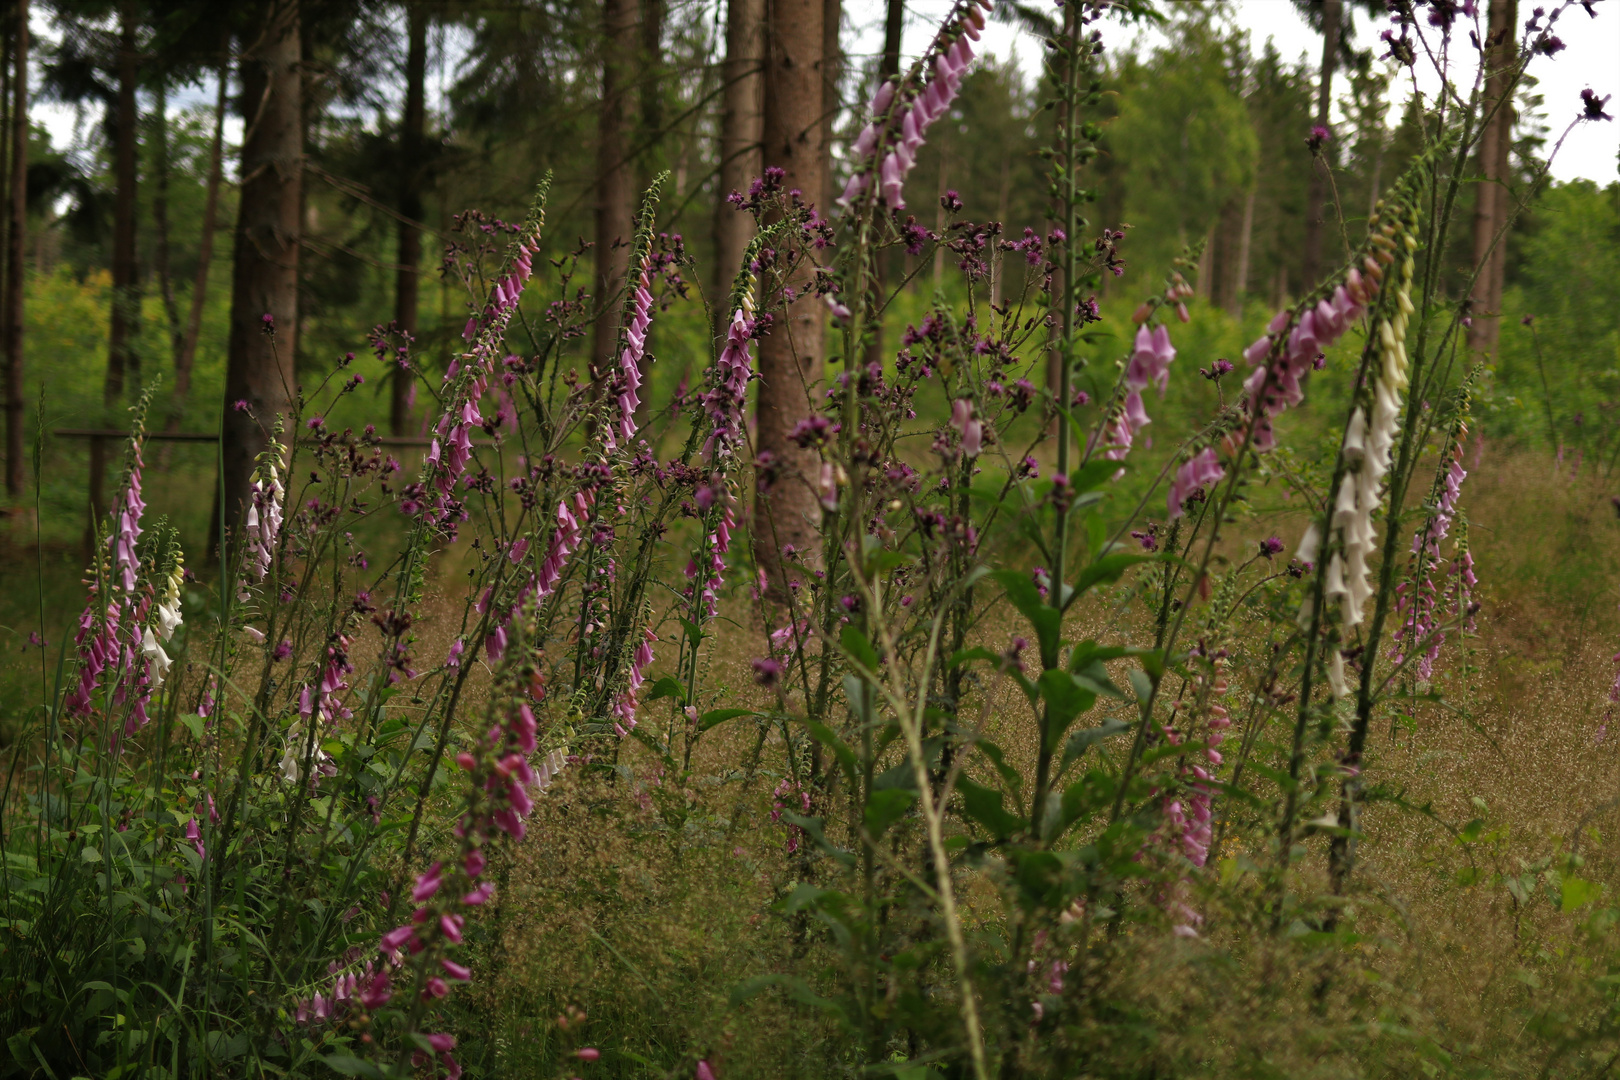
1107 570
1084 739
668 686
968 655
1013 778
1065 699
347 1065
886 807
812 829
1046 620
827 737
859 649
720 716
1576 893
983 805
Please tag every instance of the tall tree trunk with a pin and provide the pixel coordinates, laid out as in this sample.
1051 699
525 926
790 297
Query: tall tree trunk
160 211
185 354
122 360
1240 276
894 24
411 139
615 211
264 280
740 126
650 77
1316 192
1492 201
787 510
16 236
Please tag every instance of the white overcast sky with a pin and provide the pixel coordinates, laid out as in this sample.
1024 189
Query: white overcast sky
1591 59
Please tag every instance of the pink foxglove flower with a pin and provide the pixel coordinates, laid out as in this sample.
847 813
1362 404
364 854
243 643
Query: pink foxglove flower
1202 471
626 383
900 118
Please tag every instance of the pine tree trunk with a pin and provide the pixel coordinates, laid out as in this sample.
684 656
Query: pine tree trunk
1316 192
264 281
186 354
122 360
160 211
1240 277
787 511
894 22
651 78
615 211
1492 202
740 129
406 284
16 237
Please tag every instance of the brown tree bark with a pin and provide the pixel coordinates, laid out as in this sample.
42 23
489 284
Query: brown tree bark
741 122
17 235
185 353
160 210
1492 198
1316 192
615 197
122 360
787 510
894 23
1240 274
264 280
412 134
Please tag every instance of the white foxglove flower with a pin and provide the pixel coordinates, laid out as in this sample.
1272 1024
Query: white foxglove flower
157 659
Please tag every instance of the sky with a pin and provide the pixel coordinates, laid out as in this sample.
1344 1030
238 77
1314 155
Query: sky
1591 59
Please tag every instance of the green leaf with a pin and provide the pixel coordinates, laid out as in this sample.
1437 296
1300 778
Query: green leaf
795 988
886 807
1065 700
1577 892
983 805
968 655
347 1065
1046 620
859 649
812 828
1107 570
1086 738
1088 652
668 686
1142 683
719 716
827 737
1013 778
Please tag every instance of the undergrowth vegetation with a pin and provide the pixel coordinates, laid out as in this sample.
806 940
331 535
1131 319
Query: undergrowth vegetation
1060 753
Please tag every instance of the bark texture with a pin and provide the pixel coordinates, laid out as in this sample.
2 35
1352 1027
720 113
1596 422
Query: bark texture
1316 192
1493 202
615 196
185 354
740 129
264 281
786 510
407 284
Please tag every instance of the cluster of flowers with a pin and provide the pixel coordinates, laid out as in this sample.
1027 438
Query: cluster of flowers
790 791
967 425
624 708
726 396
466 380
1282 356
162 630
627 381
1368 441
498 804
1188 816
1418 602
897 130
354 993
266 496
1192 477
1149 365
101 638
